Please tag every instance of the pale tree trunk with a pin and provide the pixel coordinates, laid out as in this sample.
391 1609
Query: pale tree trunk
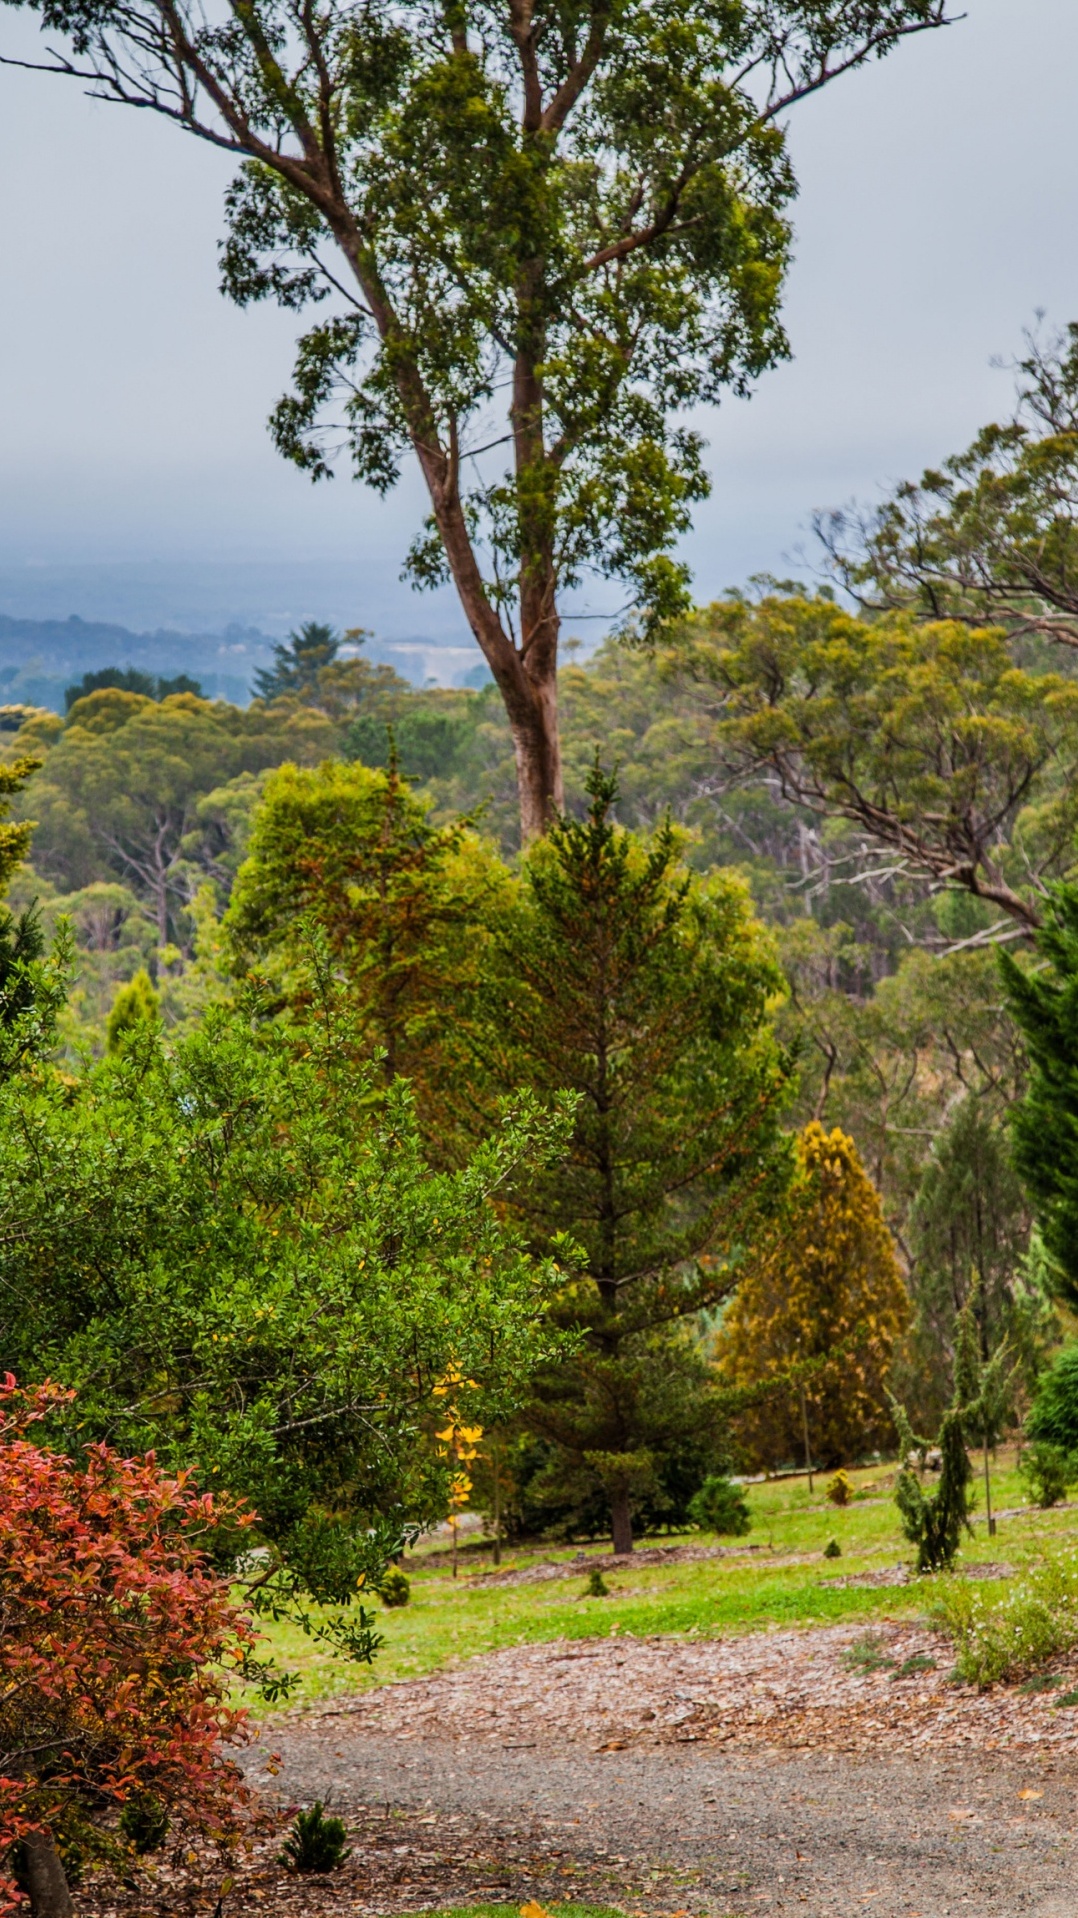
45 1879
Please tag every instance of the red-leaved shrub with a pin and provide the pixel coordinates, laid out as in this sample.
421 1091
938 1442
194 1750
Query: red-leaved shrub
116 1635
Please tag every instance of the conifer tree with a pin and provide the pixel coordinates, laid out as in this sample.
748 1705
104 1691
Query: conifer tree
1044 1004
823 1306
136 1004
620 976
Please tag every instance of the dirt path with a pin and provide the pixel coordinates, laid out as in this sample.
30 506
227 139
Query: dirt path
726 1777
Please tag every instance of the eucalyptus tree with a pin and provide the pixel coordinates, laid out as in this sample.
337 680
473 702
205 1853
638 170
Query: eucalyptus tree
545 231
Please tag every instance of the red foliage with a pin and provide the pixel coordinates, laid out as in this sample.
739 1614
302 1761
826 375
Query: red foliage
115 1636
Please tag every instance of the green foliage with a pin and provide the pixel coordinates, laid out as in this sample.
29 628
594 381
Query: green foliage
14 837
232 1244
993 533
1048 1470
296 665
1053 1417
135 1005
401 903
144 1822
32 989
315 1843
868 1654
1003 1637
969 1217
394 1588
720 1507
1044 1004
597 1586
927 738
615 974
118 797
130 680
832 1549
935 1521
840 1489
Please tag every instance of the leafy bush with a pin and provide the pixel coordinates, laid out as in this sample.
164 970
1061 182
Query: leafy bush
840 1489
719 1507
1053 1419
832 1549
1048 1470
315 1842
394 1588
597 1585
144 1822
1007 1636
107 1586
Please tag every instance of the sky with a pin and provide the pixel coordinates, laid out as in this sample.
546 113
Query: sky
937 213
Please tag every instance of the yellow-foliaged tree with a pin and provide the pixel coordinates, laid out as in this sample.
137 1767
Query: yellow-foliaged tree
821 1309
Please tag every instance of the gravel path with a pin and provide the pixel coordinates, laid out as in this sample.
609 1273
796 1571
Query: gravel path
665 1776
670 1778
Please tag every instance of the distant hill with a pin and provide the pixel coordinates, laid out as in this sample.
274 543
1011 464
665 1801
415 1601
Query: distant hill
40 657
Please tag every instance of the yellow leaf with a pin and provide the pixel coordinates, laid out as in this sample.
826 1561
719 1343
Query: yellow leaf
533 1910
1031 1794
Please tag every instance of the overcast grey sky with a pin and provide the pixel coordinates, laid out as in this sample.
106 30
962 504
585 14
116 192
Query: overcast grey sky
938 209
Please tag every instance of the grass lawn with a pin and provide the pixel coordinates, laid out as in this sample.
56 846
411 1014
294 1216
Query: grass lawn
779 1582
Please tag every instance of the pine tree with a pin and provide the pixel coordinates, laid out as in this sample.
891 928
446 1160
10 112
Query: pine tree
619 975
297 664
822 1307
1045 1125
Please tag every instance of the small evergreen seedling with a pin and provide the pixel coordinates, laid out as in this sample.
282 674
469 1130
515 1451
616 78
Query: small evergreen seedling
144 1823
315 1842
597 1585
832 1549
395 1588
840 1489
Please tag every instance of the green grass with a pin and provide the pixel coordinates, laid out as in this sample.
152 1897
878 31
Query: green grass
781 1583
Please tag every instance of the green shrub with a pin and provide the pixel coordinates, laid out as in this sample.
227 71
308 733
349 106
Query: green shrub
1010 1635
1053 1418
395 1588
720 1507
840 1489
1048 1470
832 1549
144 1823
869 1654
597 1585
315 1842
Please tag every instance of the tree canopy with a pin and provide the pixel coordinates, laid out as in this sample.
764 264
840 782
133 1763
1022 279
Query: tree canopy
927 738
992 534
232 1246
549 229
